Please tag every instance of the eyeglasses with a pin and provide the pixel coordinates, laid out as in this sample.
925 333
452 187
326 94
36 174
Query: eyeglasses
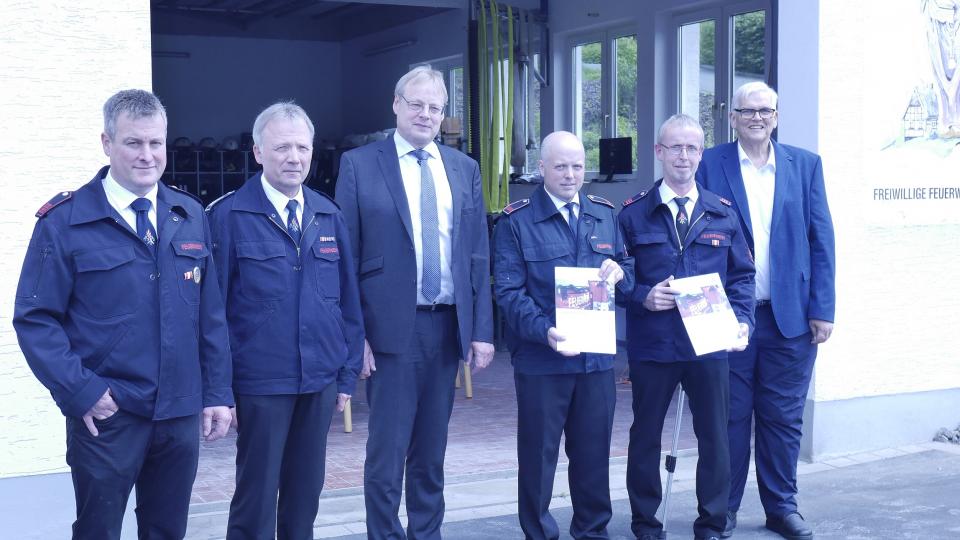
418 107
747 114
678 149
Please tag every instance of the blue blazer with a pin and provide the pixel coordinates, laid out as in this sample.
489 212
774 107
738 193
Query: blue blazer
374 204
802 259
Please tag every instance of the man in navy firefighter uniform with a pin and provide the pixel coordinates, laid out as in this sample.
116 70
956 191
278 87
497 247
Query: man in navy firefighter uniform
119 315
675 230
296 330
558 393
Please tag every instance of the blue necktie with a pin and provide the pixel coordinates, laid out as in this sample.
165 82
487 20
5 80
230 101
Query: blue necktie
573 222
429 229
145 229
683 221
293 224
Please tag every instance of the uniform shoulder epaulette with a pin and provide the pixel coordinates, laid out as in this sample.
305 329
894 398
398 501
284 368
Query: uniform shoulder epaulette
218 200
326 196
600 200
724 201
56 201
187 193
515 205
635 198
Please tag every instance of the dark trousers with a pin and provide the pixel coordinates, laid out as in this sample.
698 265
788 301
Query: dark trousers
579 406
706 385
281 449
159 458
768 383
411 398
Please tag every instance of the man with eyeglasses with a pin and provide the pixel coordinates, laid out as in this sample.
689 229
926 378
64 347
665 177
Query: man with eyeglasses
677 229
779 193
418 227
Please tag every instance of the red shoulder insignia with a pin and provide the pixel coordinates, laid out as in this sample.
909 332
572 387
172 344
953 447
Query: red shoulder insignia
634 199
724 201
56 201
600 200
515 205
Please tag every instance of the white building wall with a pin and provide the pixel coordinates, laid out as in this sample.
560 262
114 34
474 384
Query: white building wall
59 61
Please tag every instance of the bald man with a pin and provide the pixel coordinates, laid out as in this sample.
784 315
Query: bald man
558 393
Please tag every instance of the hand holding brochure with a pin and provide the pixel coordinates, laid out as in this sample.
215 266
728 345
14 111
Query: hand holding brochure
707 314
585 310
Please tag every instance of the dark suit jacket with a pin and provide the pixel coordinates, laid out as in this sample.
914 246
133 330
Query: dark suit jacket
371 195
802 262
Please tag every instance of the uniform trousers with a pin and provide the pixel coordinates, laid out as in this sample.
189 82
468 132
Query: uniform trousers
768 384
706 385
158 457
411 398
281 449
580 407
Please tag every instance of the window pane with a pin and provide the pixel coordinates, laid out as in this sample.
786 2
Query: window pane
456 94
749 59
533 102
697 74
625 80
588 115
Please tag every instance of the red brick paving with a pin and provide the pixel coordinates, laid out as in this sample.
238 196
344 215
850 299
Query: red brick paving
482 437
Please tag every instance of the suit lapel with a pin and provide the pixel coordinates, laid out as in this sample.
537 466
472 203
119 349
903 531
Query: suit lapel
781 183
390 169
458 191
731 170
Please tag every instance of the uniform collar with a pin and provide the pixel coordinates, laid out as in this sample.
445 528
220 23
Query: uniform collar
667 193
560 203
279 200
120 197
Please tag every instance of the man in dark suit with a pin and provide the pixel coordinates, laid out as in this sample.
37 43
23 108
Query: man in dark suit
296 335
780 195
418 228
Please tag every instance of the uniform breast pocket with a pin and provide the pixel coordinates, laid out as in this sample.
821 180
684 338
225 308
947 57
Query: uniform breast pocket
107 282
327 260
264 270
712 248
190 263
653 254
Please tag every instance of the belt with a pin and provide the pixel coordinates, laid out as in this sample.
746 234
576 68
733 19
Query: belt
763 303
436 307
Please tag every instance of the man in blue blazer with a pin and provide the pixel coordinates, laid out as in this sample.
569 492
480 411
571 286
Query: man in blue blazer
780 195
417 224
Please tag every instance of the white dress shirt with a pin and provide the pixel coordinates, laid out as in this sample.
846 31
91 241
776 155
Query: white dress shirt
120 199
759 185
560 203
667 195
279 202
410 173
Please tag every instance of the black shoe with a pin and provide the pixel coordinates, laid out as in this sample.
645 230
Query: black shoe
791 526
731 524
648 537
711 537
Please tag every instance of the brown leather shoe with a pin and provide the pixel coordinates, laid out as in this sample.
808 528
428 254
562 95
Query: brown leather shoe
790 526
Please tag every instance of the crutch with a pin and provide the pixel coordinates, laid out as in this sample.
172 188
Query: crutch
670 463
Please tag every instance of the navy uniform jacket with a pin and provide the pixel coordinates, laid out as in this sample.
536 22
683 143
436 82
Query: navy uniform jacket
94 309
530 240
294 315
802 260
714 244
